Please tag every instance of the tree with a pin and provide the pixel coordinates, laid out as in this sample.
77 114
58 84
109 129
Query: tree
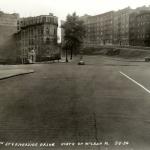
74 32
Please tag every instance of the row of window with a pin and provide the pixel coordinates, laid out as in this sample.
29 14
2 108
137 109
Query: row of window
143 36
30 32
36 20
143 23
100 19
47 40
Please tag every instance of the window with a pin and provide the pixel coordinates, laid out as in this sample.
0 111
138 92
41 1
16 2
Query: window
47 30
47 40
55 31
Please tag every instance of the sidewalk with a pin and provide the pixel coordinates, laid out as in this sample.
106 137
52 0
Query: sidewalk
7 73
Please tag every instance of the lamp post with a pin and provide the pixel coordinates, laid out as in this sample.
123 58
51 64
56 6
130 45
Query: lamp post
66 55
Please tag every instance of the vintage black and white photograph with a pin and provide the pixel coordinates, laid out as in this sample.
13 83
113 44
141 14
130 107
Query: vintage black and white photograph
74 75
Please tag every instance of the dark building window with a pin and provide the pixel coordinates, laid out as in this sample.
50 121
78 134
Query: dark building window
47 40
47 31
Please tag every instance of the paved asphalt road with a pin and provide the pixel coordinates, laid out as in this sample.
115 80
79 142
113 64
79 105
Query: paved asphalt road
105 101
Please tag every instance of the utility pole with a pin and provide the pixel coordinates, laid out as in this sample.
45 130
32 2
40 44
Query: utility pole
66 55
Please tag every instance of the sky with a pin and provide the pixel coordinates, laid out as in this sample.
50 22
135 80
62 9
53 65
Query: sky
61 8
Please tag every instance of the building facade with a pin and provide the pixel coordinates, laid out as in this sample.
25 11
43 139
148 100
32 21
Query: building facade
143 29
99 29
133 29
108 28
62 31
123 27
8 27
38 34
138 22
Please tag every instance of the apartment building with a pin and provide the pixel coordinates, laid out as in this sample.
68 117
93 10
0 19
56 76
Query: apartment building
8 27
62 31
121 26
133 29
143 29
117 27
38 34
99 29
139 26
108 28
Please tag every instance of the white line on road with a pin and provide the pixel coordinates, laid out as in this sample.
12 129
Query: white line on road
135 82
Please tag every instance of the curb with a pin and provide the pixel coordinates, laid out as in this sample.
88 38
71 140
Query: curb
17 74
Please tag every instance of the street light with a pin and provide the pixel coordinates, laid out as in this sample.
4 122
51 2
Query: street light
66 55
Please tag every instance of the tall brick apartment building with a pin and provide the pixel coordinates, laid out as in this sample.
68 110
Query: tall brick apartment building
39 34
8 27
108 28
140 28
99 29
123 27
143 29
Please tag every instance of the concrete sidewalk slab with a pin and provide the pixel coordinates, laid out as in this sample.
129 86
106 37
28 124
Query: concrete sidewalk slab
4 74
